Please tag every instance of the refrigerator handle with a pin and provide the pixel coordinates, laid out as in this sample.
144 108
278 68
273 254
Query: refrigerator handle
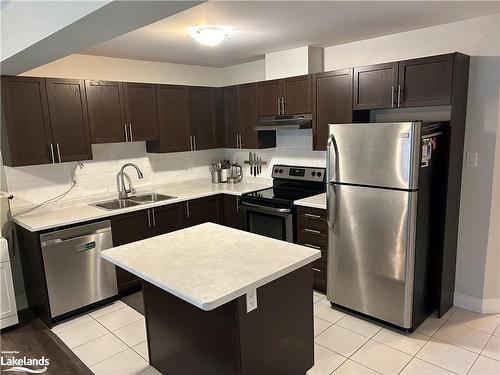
329 186
331 204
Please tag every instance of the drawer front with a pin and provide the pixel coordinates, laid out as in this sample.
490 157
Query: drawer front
312 220
312 238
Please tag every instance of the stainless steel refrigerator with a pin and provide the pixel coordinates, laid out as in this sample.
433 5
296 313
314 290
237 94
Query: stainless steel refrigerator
385 209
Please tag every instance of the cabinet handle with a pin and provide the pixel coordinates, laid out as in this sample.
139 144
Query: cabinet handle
312 246
311 216
130 131
316 269
58 152
392 96
154 217
312 231
52 153
237 204
149 219
187 210
194 142
241 140
126 132
399 95
278 99
283 107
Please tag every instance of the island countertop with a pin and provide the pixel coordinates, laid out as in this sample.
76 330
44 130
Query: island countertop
209 265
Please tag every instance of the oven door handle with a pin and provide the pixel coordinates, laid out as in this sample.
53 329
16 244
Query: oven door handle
268 209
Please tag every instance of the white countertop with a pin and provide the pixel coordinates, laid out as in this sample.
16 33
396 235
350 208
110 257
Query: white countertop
316 201
78 211
209 265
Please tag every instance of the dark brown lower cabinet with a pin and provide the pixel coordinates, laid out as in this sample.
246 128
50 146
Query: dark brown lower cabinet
312 231
202 210
168 218
233 217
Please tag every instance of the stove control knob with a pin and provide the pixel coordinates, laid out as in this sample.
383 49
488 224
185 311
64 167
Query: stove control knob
276 170
313 173
319 174
281 170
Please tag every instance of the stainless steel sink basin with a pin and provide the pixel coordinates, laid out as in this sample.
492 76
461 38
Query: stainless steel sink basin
150 198
116 204
135 200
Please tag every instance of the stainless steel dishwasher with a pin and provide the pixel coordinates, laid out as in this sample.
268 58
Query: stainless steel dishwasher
75 273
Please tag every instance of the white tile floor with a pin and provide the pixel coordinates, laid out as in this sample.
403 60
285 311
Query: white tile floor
112 340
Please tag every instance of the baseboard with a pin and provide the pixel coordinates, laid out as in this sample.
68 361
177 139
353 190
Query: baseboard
21 302
484 306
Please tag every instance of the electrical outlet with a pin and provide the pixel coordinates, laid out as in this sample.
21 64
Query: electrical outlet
251 300
472 159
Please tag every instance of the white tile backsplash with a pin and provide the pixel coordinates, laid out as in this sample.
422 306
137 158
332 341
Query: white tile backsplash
34 184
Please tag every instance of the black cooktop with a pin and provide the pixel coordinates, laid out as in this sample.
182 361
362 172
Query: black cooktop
288 186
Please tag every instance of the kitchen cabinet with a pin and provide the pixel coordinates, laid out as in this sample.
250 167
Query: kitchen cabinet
232 215
45 121
141 111
425 81
68 119
167 218
284 96
202 117
375 86
26 133
107 117
204 210
333 103
173 119
312 231
232 117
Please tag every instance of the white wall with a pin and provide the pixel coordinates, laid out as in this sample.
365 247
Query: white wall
44 18
479 244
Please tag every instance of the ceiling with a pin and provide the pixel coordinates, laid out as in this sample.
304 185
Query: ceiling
263 27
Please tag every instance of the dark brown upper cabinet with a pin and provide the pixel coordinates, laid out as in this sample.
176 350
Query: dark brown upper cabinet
269 97
232 117
333 97
173 120
375 86
250 138
284 96
45 121
106 102
297 95
26 133
202 117
425 81
68 119
141 111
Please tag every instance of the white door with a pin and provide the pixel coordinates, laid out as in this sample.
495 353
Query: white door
8 310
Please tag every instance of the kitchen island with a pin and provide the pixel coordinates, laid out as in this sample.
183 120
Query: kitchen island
222 301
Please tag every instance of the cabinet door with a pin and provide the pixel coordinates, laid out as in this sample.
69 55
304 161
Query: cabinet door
173 120
375 86
142 115
128 228
168 218
333 91
202 117
231 116
106 111
297 93
268 97
8 300
68 119
26 133
204 210
426 81
233 216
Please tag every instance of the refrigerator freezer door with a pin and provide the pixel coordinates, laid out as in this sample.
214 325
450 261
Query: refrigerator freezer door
375 154
371 251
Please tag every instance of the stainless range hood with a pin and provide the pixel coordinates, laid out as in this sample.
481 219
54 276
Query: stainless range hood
303 121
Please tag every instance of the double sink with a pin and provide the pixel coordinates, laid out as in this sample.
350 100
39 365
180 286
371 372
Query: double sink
132 201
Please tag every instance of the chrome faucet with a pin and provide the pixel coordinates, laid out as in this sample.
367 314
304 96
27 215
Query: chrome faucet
123 193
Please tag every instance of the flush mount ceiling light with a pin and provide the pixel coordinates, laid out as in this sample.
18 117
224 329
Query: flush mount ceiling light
209 35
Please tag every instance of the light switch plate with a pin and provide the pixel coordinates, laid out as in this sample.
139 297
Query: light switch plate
251 300
472 159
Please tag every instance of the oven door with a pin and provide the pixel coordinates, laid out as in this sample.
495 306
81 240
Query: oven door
268 221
